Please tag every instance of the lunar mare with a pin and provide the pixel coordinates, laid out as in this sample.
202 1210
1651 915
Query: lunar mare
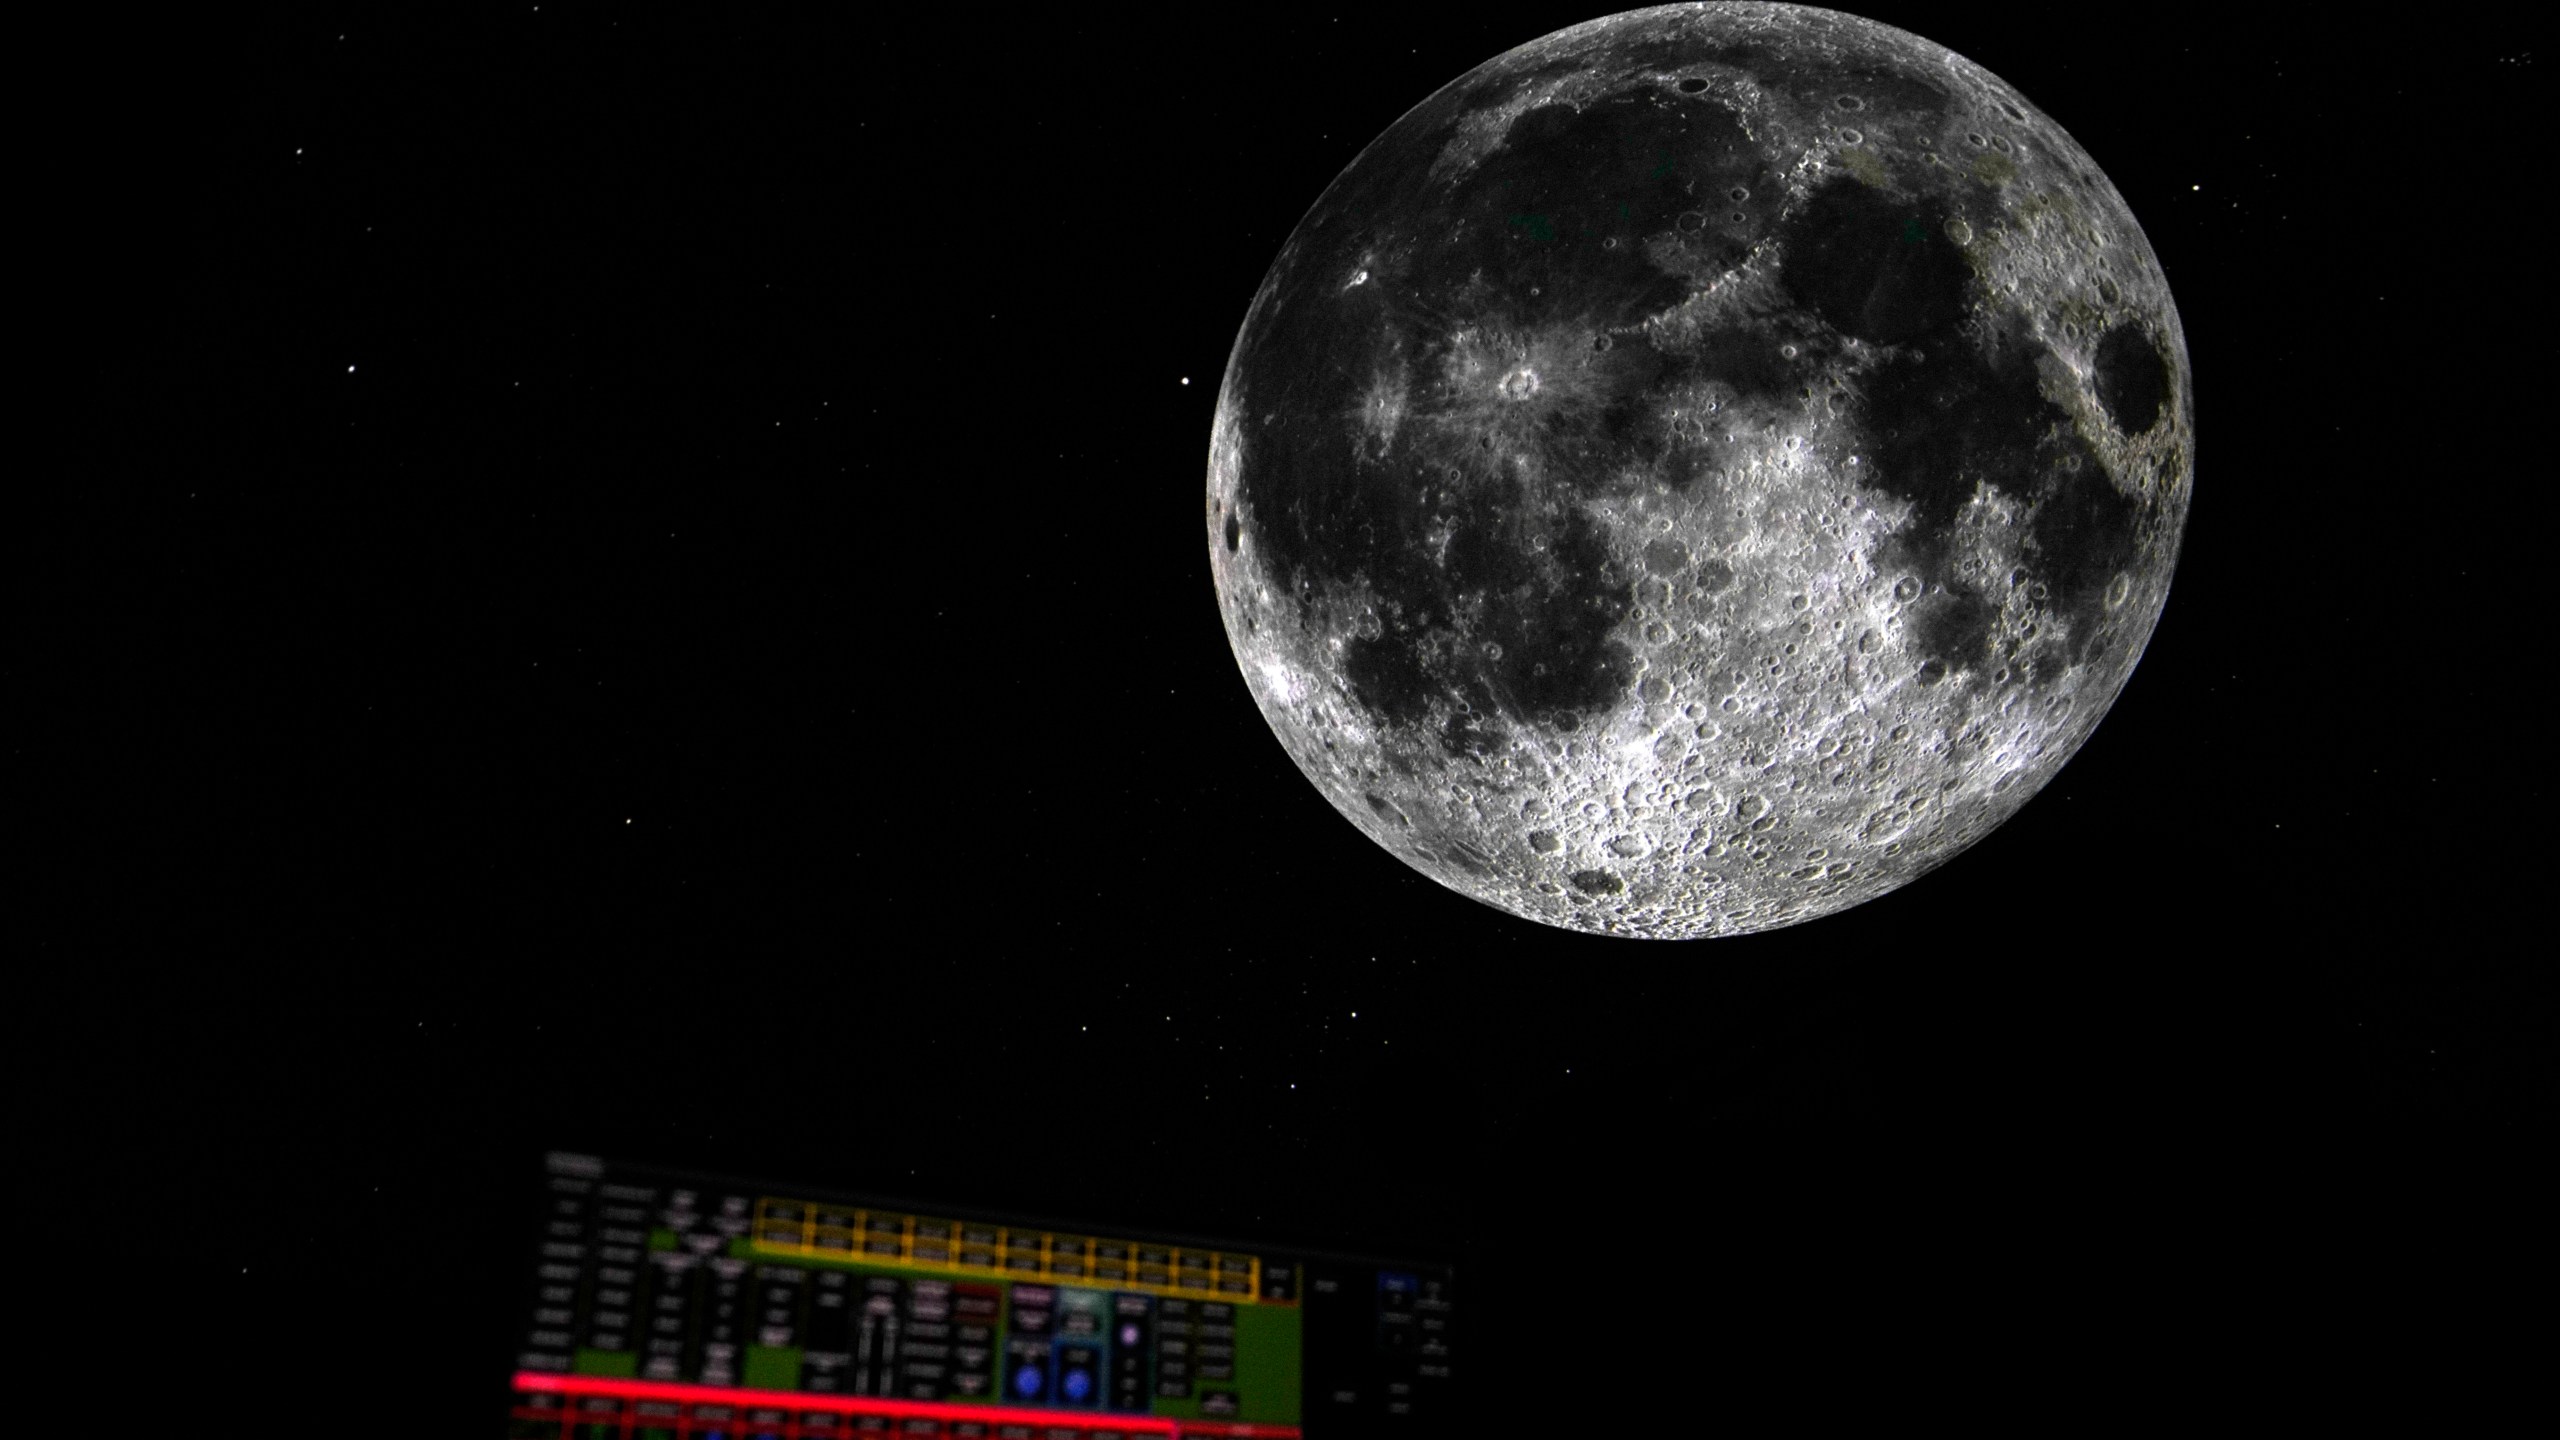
1700 470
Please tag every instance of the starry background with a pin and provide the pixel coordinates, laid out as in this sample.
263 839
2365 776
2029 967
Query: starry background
634 580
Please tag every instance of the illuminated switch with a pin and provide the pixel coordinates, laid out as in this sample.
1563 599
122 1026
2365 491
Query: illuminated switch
1398 1335
1034 1308
1132 1348
1213 1342
597 1415
878 1327
1081 1314
929 1301
826 1356
1280 1282
933 1241
1026 1371
976 1303
1032 1318
778 1292
1079 1371
925 1366
883 1234
1173 1348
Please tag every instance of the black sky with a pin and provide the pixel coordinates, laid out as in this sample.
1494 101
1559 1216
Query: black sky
636 581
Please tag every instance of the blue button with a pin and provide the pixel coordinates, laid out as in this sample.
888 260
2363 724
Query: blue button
1028 1382
1077 1384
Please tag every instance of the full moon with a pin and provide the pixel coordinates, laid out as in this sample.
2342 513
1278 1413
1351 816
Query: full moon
1700 470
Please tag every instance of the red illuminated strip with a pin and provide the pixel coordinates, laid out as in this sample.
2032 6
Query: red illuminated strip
893 1409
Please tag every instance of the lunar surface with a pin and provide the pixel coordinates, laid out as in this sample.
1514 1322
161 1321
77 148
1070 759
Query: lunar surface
1700 470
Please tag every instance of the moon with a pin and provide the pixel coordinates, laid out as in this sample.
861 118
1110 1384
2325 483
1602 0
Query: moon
1700 470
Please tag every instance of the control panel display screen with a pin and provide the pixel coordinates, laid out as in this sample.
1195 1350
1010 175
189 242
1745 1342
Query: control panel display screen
672 1306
